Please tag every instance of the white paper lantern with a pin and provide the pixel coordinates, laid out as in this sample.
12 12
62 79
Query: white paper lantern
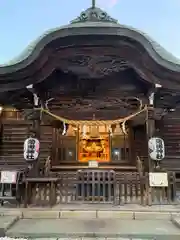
31 149
156 148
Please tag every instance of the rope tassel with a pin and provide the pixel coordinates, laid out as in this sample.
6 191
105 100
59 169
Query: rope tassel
64 129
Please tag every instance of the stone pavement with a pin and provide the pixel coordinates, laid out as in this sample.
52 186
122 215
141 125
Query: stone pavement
83 238
91 223
93 238
110 228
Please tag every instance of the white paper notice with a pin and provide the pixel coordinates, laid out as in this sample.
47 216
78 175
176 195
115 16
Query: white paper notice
8 177
93 164
158 179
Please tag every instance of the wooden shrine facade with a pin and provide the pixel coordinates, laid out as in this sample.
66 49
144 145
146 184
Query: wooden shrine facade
93 92
111 148
77 146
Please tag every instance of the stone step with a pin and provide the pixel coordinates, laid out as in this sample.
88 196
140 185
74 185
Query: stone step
93 229
80 238
143 223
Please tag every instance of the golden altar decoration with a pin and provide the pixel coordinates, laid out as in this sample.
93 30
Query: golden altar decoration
93 144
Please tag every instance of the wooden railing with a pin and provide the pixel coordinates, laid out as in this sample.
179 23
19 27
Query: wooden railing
88 186
130 188
98 186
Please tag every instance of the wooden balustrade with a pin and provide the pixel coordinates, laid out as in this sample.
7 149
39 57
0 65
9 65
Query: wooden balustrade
97 186
88 186
130 188
40 191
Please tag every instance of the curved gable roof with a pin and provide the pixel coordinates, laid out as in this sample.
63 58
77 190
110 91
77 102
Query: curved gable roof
93 18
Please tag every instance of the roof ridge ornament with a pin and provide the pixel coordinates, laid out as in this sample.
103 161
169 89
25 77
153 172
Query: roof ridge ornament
93 3
94 14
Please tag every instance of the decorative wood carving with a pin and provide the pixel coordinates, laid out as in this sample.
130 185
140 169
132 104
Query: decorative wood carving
117 130
94 14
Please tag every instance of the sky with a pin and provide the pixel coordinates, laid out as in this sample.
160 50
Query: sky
22 21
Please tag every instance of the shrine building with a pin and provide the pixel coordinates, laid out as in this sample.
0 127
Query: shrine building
93 93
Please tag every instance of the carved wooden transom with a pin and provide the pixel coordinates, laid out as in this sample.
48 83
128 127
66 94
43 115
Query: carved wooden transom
93 62
93 66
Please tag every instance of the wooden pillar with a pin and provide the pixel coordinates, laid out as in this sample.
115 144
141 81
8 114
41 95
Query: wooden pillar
36 126
131 143
150 130
36 131
77 142
1 129
150 125
54 146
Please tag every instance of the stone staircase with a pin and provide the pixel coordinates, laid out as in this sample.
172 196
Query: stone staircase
14 134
